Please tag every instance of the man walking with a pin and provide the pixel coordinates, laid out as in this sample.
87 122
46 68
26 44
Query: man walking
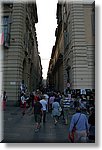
80 122
37 114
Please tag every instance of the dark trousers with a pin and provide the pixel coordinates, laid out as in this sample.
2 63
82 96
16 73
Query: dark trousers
44 115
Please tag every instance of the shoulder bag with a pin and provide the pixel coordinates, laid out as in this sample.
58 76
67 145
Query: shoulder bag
72 133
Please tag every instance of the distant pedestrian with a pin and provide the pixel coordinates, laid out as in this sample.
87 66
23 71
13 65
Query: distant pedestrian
91 121
4 100
23 88
47 99
23 103
58 97
76 103
38 115
79 123
56 111
66 109
44 107
51 100
36 98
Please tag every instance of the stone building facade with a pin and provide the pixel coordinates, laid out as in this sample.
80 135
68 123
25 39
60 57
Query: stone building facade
78 30
79 47
21 56
55 71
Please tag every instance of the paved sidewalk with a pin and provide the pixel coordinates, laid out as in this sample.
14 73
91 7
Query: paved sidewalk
20 129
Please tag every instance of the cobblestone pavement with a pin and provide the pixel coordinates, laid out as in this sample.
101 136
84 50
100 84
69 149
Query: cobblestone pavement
20 129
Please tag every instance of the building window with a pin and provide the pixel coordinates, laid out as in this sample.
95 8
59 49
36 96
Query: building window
6 31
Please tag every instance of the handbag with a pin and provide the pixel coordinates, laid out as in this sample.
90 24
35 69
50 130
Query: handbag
60 109
72 133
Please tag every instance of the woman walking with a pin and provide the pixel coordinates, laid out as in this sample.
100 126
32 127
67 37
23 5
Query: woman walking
55 111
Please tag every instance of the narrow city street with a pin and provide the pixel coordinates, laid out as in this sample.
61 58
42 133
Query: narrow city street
20 129
48 57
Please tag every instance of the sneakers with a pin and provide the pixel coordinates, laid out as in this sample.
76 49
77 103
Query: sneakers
36 130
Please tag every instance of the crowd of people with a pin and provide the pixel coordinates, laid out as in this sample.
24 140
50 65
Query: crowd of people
59 105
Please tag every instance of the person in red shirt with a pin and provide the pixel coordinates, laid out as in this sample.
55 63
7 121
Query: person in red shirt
36 98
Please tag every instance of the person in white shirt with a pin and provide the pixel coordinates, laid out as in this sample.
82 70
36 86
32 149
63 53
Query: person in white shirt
44 107
23 102
46 98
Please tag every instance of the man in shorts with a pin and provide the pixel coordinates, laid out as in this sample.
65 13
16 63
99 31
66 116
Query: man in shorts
37 114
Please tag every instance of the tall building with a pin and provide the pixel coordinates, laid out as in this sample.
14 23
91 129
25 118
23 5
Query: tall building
55 71
77 46
21 56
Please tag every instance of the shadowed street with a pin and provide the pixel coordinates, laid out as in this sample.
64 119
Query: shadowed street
18 128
